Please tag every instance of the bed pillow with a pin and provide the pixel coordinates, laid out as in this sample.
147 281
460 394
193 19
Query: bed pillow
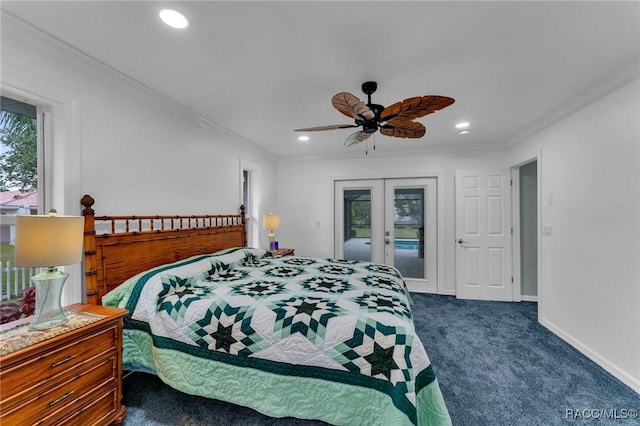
194 268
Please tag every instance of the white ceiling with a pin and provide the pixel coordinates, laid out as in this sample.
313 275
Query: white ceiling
262 69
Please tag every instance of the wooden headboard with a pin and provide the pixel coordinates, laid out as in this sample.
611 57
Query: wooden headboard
119 247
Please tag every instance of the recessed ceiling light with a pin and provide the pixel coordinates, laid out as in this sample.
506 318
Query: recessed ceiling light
464 132
303 138
174 19
462 125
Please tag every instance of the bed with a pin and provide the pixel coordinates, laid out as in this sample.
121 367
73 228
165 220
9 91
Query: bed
291 336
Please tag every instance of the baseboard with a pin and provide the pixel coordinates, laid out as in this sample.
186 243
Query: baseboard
624 377
422 286
524 298
417 289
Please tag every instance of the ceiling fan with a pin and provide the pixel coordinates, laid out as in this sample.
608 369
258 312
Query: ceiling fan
395 120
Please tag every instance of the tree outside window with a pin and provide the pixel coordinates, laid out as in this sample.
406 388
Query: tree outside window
19 158
18 196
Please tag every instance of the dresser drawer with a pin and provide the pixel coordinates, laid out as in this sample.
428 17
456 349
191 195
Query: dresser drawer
73 377
101 409
62 361
71 395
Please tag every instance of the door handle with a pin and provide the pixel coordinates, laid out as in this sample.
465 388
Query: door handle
387 241
461 241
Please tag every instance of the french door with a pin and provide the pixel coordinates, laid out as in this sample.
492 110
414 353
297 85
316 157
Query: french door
390 221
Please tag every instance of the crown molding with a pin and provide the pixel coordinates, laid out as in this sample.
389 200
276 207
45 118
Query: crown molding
58 50
354 152
615 81
432 150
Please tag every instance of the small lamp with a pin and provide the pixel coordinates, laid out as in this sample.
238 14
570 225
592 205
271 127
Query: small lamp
271 221
48 241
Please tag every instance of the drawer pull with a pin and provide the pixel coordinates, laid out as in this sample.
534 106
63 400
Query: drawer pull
63 397
62 361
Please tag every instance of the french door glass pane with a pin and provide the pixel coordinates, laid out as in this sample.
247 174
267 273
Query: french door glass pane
409 231
357 224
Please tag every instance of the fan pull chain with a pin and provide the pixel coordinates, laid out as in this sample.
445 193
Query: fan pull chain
366 145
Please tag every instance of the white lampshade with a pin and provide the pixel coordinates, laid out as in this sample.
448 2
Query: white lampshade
271 221
47 241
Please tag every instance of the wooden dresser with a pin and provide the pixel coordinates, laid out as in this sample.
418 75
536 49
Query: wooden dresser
73 378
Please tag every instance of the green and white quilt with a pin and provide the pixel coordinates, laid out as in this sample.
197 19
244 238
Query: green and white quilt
312 338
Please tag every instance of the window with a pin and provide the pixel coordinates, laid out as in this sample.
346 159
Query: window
20 184
19 148
247 201
251 196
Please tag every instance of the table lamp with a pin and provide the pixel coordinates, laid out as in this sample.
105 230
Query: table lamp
271 221
48 241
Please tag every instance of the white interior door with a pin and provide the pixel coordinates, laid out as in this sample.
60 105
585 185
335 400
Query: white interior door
483 235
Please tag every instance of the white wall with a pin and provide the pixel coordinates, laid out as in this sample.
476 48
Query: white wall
589 290
133 150
305 197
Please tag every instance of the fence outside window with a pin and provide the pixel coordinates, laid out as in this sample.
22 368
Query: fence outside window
15 280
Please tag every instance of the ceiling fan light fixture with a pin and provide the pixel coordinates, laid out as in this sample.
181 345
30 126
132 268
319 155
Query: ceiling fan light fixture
464 131
303 138
462 125
174 18
396 120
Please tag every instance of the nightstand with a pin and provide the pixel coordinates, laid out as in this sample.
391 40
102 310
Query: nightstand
284 252
68 374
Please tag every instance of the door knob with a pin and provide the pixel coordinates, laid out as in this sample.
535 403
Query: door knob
461 241
387 241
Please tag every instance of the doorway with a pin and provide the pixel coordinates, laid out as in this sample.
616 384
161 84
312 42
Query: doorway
527 204
391 221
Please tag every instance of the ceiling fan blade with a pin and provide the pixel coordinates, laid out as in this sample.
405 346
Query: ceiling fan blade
331 127
357 137
403 129
351 106
415 107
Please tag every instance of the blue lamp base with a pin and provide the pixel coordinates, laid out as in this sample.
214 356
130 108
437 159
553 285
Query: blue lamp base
49 287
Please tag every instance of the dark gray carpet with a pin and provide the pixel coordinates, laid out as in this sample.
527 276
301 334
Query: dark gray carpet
496 366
